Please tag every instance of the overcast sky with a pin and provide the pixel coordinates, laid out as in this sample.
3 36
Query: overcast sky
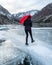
15 6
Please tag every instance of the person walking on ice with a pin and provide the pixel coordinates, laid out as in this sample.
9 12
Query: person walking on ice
26 20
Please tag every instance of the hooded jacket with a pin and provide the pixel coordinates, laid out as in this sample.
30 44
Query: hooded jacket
28 24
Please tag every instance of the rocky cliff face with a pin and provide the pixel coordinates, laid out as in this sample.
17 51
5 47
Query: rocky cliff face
46 11
44 17
6 17
3 11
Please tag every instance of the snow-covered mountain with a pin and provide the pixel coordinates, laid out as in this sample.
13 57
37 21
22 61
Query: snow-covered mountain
46 11
3 11
7 18
4 15
21 14
44 17
40 17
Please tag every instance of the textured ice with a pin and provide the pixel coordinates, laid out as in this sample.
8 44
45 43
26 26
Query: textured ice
14 44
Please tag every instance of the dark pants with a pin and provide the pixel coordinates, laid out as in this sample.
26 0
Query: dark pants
30 32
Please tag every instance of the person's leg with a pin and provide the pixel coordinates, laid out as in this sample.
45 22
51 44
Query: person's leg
26 31
30 32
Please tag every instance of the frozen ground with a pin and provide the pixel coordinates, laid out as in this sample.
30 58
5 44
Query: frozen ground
14 36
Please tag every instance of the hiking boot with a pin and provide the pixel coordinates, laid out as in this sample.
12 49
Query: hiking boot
26 43
32 41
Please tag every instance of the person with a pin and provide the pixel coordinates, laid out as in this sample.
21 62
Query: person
28 25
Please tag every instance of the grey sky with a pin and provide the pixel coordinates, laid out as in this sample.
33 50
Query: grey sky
15 6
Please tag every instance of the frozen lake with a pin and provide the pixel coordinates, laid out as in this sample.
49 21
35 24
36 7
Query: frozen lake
12 44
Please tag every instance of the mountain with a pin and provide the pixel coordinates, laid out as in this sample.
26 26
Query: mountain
6 17
21 14
41 18
3 11
44 17
3 15
46 11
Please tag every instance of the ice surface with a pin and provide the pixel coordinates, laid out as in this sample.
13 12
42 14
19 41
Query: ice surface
14 44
